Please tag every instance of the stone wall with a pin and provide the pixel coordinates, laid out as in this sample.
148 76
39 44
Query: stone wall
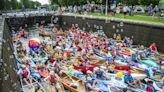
9 81
142 34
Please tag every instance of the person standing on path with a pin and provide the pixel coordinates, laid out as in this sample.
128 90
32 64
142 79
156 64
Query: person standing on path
125 10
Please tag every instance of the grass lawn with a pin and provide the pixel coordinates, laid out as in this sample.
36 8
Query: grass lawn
135 17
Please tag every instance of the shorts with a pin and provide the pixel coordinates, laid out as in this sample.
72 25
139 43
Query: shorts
125 13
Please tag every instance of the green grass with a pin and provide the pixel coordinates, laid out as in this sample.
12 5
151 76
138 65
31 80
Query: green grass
135 17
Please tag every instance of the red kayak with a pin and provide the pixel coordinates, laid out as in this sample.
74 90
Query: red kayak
84 69
124 68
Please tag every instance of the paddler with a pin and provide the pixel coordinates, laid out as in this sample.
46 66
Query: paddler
91 85
128 79
24 72
153 47
150 87
100 73
53 80
38 89
134 58
118 37
110 69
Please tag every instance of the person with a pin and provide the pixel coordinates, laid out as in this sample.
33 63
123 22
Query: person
38 89
118 9
150 8
128 79
100 73
155 10
131 12
89 74
110 69
52 80
24 72
134 58
118 37
125 10
153 47
150 87
91 85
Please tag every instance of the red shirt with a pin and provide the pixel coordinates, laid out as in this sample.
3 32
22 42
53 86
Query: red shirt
25 73
52 79
76 42
79 49
153 47
51 59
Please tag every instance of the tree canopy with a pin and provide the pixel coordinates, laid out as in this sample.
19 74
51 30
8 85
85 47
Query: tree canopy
14 4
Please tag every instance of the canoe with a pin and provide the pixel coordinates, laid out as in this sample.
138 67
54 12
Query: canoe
100 62
53 88
31 88
84 69
96 60
44 34
68 81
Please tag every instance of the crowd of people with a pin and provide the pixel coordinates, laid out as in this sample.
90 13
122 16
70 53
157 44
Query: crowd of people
113 10
65 50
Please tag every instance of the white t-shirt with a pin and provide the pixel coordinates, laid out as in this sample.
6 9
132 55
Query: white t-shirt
124 9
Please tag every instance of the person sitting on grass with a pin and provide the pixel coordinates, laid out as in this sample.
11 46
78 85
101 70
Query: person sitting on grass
128 79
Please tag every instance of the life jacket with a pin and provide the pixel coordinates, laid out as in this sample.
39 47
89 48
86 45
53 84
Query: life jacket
150 88
76 42
52 79
153 47
25 73
79 49
51 59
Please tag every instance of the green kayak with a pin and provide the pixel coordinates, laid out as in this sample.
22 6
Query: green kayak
149 62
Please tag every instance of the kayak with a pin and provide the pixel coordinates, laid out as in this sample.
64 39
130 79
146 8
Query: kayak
132 64
97 52
31 88
136 50
124 68
72 83
134 75
149 62
127 52
44 34
84 69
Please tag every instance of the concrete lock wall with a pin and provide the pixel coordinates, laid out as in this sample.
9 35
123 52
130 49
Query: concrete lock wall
9 80
142 34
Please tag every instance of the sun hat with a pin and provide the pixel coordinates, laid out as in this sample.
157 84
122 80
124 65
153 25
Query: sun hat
89 72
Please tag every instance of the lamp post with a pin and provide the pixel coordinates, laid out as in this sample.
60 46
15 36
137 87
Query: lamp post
106 10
